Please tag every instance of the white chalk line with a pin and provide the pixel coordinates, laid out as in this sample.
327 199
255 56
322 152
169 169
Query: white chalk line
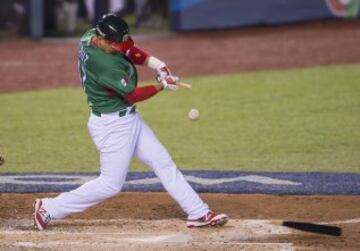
12 224
283 246
239 233
78 180
239 223
153 222
259 228
349 221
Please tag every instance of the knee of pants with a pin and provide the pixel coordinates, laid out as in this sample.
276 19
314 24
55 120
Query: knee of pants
164 162
112 187
156 157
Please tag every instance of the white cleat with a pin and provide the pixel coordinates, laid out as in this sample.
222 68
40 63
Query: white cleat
210 219
40 216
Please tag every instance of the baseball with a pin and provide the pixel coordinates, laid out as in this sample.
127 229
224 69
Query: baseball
193 114
345 2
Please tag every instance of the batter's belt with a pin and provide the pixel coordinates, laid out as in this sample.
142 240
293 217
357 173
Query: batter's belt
122 113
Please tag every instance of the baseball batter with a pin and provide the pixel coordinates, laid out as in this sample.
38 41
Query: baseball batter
107 56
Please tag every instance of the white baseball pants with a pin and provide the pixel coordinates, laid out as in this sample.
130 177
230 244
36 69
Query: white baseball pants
118 139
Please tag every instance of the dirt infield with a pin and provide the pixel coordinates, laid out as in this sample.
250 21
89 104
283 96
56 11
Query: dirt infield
27 65
152 221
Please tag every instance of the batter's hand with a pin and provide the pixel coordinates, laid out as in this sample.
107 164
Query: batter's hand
163 71
169 82
166 79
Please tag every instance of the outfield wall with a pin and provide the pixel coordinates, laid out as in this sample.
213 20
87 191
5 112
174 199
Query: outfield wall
190 15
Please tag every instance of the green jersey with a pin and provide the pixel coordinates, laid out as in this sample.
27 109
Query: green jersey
105 77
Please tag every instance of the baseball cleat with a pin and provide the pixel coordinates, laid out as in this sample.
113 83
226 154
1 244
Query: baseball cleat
210 219
40 216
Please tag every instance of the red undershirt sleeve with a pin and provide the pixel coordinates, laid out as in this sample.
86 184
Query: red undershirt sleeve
137 56
141 93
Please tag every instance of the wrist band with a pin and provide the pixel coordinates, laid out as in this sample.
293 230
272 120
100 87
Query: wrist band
155 63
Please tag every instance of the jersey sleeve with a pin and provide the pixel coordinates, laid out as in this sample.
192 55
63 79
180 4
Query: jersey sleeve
137 56
117 80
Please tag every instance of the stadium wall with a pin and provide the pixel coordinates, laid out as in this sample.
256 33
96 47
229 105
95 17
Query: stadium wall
187 15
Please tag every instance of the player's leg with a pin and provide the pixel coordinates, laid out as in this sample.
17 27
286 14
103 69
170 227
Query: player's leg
108 184
150 151
115 138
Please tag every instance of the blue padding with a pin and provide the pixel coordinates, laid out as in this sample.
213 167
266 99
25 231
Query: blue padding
213 14
202 181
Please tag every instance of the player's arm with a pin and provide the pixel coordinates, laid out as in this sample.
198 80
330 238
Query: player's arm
141 57
163 76
113 86
137 56
143 93
125 86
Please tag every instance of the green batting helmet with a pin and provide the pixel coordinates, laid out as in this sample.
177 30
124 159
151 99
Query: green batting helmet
112 28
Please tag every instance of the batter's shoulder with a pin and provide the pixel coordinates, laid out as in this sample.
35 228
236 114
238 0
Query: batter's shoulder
86 38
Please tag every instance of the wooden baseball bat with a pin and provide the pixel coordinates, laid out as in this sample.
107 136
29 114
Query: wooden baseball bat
313 228
185 85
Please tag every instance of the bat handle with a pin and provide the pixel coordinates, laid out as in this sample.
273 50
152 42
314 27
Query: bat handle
185 85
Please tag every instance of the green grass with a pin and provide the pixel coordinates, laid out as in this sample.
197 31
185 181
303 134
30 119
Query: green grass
296 120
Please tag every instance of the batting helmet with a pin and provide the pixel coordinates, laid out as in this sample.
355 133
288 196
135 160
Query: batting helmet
113 28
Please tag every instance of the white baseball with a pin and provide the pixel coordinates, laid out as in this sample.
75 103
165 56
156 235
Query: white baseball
193 114
345 2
